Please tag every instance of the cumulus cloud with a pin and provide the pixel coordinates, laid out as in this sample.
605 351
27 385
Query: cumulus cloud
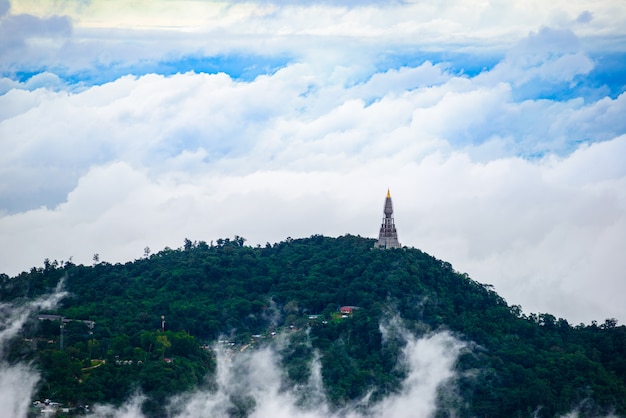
545 234
28 37
150 160
547 63
215 116
119 38
508 173
511 173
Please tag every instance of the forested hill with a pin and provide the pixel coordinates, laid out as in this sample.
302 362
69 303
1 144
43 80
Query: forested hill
518 364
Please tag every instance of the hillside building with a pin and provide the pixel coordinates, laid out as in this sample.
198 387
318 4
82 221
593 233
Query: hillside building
388 236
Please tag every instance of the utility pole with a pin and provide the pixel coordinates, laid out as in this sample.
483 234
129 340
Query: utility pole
61 339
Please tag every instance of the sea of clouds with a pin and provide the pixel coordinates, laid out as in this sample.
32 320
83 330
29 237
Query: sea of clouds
528 196
113 138
498 127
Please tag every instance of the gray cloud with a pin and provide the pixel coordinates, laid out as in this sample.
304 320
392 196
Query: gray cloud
5 6
584 17
348 35
346 3
19 33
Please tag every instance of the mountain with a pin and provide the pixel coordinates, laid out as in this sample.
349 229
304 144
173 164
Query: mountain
160 321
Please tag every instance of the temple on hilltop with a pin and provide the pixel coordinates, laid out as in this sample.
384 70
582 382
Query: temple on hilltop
388 236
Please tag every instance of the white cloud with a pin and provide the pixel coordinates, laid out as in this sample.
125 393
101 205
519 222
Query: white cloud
544 60
17 385
256 376
430 362
492 172
119 34
549 240
152 160
17 381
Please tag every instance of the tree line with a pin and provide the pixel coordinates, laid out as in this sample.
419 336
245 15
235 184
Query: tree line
522 365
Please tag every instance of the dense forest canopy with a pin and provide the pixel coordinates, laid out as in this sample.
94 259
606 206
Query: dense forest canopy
157 318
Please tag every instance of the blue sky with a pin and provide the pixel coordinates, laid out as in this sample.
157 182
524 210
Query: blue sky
498 127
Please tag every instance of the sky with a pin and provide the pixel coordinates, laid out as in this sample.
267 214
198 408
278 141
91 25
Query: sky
498 127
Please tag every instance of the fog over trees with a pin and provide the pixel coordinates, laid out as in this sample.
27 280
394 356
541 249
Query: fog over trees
227 329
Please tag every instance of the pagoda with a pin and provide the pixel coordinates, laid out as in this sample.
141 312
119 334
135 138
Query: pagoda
388 236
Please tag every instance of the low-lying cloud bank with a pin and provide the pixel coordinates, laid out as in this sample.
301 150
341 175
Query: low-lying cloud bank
256 377
253 381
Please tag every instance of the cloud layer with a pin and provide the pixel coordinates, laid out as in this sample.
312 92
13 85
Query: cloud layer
151 160
104 40
498 128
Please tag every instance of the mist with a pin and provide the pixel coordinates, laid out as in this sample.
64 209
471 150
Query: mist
18 381
254 379
252 383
